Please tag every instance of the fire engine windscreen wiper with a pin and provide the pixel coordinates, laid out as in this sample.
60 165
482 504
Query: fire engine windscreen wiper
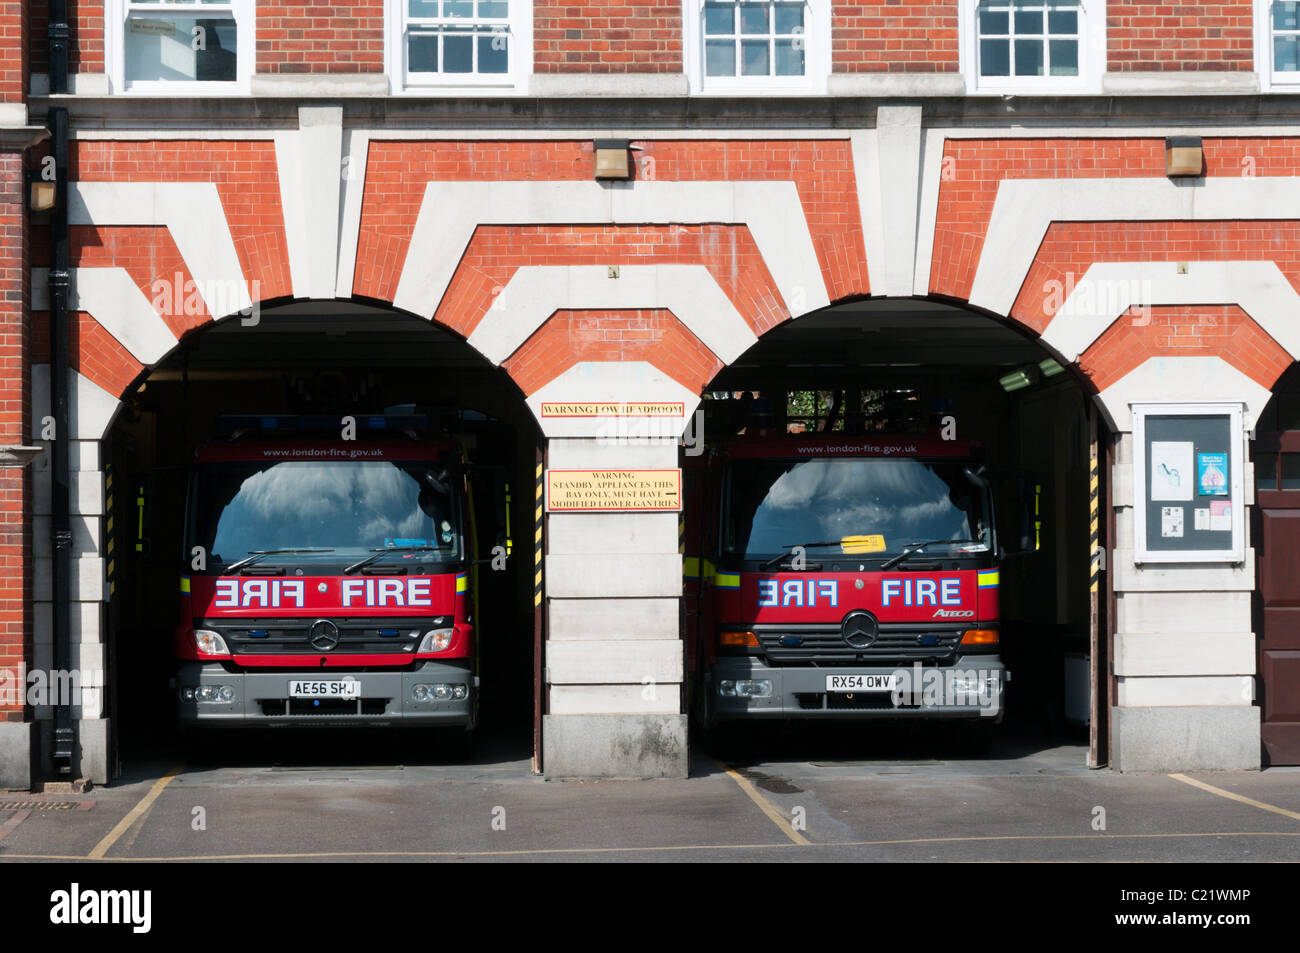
257 554
380 553
789 552
911 549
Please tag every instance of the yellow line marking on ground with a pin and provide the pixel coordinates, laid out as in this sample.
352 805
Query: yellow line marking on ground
633 850
764 805
125 823
8 826
1235 797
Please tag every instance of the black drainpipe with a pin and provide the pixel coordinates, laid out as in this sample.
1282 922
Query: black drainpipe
57 33
60 499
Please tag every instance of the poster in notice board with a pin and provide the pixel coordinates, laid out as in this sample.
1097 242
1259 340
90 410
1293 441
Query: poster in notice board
1187 470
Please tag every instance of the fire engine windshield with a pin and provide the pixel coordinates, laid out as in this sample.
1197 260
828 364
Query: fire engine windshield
871 507
345 507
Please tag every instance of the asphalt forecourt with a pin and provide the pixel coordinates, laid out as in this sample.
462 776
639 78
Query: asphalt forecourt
104 850
1036 807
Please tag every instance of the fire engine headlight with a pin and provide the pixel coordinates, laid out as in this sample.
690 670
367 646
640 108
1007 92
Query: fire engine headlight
211 694
459 691
420 693
442 692
208 642
187 693
436 640
974 684
745 688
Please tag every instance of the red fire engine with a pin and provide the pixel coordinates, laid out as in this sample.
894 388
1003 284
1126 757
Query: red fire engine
329 580
831 575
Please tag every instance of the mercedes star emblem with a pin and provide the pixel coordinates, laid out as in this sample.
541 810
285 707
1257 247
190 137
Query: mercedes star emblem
859 629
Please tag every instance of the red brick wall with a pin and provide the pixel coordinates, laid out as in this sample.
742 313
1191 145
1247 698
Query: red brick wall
247 180
312 36
86 47
497 252
654 336
149 255
900 36
1070 247
613 37
1180 331
822 172
13 40
15 424
1163 36
972 169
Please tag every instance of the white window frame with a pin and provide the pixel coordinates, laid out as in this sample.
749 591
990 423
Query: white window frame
1092 56
817 58
1269 80
115 12
513 82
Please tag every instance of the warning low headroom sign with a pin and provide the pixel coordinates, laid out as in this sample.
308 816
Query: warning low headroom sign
602 491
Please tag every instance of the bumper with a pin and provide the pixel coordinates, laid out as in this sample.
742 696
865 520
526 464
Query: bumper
385 697
971 688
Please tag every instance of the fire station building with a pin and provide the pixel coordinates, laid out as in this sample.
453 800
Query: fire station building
1069 228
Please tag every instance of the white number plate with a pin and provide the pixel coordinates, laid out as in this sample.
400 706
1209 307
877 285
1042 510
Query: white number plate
343 688
860 683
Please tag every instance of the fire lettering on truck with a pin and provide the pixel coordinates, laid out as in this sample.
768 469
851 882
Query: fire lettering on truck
388 592
798 592
262 593
921 592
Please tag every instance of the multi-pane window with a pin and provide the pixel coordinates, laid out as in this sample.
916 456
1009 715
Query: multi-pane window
472 40
755 39
1285 29
1024 38
182 41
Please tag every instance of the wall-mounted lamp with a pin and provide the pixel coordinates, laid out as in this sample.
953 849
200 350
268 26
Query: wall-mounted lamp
1184 156
613 159
40 195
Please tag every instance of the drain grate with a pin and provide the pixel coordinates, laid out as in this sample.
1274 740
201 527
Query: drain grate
23 804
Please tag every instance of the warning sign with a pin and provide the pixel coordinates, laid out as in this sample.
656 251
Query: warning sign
614 409
576 491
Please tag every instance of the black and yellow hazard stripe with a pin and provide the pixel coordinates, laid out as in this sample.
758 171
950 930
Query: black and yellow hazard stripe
537 541
108 531
1094 531
139 517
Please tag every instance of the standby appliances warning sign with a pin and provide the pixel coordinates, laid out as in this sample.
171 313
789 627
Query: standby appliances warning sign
601 491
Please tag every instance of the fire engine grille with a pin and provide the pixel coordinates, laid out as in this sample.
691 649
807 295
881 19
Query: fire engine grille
826 646
355 636
858 701
848 701
323 706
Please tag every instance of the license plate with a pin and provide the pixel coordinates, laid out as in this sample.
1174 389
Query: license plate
342 688
860 683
